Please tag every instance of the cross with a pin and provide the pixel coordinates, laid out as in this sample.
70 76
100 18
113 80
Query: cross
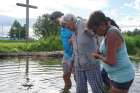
27 15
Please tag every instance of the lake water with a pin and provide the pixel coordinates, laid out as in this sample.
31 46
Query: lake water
43 75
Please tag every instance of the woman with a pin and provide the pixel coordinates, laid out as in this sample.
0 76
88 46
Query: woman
67 61
113 53
103 72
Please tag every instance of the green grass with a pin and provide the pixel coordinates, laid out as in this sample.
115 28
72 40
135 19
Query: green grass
51 44
133 44
12 47
15 41
49 61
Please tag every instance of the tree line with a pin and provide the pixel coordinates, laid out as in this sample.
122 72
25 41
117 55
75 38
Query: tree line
134 32
43 28
17 31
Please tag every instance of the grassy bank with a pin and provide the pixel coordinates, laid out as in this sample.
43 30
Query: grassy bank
51 44
133 44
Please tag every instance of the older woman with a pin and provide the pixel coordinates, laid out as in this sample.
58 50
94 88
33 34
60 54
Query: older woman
113 53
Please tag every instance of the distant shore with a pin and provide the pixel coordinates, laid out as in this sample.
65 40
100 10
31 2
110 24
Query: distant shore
134 57
56 54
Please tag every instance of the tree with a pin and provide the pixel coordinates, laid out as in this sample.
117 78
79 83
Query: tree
43 27
17 31
136 31
23 32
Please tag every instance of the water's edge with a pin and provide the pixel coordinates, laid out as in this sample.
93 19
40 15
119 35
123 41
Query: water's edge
56 54
43 54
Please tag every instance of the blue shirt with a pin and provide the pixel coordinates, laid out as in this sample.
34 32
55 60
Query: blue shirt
65 37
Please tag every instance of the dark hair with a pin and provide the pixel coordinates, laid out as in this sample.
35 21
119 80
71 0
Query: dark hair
54 16
112 22
95 19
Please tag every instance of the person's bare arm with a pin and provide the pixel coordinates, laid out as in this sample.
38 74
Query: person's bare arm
112 45
70 40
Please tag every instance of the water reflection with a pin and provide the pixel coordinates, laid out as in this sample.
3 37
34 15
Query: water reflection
27 83
33 75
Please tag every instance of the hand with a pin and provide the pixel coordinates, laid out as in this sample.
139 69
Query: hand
98 51
72 39
96 55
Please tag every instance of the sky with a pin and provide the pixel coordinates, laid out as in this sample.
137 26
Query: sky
126 13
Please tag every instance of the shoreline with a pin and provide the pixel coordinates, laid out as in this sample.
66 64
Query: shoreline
56 54
134 57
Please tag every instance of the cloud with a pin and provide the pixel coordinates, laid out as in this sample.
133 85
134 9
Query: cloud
129 22
81 8
137 4
130 4
48 6
113 13
9 8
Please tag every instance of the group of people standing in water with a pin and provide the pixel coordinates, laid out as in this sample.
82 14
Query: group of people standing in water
100 62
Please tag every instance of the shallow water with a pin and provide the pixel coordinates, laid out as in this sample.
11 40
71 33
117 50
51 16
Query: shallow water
31 75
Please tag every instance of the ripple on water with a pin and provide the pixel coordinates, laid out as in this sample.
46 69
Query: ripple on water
40 77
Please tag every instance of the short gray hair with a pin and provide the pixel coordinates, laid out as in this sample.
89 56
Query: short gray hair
68 17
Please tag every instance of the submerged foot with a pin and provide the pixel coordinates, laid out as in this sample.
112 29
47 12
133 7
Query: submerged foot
67 87
65 90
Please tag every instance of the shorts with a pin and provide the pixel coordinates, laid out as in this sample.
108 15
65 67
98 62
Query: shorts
105 78
67 66
125 85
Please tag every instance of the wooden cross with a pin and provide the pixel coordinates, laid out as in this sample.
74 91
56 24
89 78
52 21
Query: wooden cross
27 15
